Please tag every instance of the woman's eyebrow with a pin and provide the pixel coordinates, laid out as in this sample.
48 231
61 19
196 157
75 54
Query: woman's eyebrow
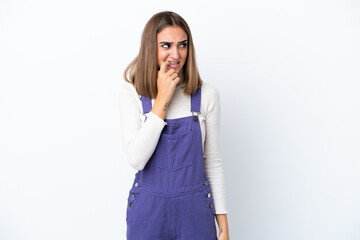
184 41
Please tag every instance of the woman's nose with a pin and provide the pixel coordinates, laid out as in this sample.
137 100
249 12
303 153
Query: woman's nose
174 53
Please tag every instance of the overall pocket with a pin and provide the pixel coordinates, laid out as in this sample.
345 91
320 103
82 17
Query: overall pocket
174 151
139 207
143 206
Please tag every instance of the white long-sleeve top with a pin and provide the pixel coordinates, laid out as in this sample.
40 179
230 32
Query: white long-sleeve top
140 138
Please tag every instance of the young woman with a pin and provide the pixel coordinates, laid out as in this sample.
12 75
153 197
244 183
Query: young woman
170 123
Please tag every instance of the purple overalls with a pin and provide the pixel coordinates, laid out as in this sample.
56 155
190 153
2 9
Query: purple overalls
171 197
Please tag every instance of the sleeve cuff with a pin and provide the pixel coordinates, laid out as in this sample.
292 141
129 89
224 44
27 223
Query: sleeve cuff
155 116
221 212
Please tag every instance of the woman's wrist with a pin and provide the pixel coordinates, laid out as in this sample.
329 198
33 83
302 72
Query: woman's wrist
160 108
222 223
223 230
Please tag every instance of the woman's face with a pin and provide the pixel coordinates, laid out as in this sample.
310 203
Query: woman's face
172 48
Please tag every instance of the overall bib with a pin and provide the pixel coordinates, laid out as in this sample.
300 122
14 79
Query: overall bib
171 198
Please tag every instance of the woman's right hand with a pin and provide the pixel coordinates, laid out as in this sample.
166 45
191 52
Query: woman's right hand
166 83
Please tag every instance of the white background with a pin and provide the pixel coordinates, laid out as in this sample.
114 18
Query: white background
288 77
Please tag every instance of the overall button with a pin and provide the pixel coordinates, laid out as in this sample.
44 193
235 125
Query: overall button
195 118
133 196
211 206
136 184
131 204
206 183
209 195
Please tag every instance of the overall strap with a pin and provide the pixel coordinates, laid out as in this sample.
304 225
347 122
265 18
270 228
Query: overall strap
195 101
146 105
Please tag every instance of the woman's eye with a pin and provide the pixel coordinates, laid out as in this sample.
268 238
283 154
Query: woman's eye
165 46
183 45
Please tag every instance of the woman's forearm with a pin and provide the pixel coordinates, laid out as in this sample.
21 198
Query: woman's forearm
222 223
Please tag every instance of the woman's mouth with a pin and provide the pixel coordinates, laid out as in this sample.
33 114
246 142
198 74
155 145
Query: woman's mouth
173 65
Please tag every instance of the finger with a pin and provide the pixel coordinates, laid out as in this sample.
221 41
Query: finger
174 75
170 72
176 80
163 66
